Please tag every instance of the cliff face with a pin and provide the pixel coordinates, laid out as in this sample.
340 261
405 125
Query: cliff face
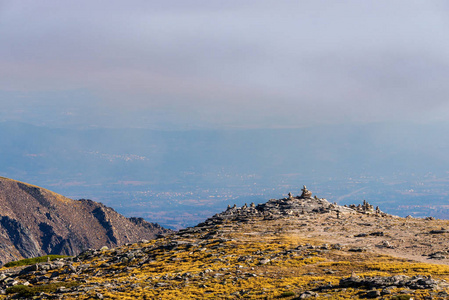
35 221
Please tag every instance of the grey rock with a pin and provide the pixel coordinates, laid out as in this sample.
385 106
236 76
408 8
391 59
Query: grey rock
373 294
361 235
161 284
308 294
377 233
357 249
438 255
62 289
440 231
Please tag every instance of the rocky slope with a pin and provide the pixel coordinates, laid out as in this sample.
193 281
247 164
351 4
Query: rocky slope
291 248
35 221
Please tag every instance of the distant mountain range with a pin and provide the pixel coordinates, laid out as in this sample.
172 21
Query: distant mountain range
35 222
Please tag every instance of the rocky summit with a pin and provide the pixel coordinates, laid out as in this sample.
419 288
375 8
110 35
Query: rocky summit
35 222
301 205
298 247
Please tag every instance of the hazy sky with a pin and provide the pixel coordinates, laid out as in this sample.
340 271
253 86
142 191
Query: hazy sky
189 64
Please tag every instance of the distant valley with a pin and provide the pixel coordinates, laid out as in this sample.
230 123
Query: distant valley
178 178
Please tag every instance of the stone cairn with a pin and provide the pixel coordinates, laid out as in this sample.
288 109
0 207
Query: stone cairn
366 208
305 193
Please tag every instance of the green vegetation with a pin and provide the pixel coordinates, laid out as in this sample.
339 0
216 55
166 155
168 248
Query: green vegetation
30 291
32 261
286 294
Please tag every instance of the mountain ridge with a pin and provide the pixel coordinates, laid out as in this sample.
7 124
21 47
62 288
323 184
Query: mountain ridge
35 222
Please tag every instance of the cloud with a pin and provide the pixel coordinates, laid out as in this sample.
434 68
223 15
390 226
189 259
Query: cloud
233 63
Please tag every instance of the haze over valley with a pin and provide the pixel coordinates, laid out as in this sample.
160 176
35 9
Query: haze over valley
179 178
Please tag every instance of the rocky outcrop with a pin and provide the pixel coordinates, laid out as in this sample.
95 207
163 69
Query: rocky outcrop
20 236
301 205
35 221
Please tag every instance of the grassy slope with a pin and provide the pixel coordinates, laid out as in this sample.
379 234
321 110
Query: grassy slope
227 265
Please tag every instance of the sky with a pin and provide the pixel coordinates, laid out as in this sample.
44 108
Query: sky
223 64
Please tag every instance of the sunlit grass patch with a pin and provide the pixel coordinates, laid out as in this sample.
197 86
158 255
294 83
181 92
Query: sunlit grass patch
410 268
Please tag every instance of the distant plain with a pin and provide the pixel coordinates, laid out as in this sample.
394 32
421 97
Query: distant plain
179 178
